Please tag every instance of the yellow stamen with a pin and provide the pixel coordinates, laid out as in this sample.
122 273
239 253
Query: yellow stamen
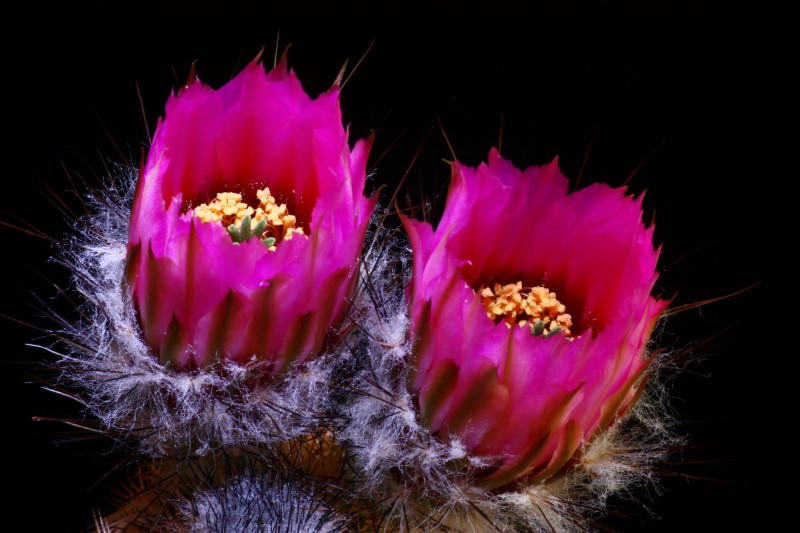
526 306
228 209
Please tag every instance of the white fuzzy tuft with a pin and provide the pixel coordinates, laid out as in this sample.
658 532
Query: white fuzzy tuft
260 504
425 484
398 471
136 398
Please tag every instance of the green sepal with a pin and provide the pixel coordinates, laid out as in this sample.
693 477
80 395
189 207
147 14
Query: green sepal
244 233
244 229
261 225
553 331
233 231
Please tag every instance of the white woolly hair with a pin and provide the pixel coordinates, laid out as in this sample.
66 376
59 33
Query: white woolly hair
163 412
261 503
401 475
425 484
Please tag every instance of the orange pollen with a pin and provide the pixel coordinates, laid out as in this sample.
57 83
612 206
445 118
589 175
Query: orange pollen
228 209
535 307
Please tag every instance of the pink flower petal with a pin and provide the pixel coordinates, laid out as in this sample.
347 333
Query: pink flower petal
199 296
542 396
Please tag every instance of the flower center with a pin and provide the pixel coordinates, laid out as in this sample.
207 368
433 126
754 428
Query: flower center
269 222
535 307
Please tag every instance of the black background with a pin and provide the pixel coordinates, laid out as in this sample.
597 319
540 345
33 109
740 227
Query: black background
702 108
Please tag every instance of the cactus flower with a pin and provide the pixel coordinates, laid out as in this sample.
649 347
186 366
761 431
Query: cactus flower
247 223
531 314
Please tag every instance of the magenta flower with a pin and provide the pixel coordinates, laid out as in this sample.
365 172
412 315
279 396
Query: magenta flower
247 223
531 312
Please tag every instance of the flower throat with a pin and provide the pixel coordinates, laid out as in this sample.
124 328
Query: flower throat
269 222
536 306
